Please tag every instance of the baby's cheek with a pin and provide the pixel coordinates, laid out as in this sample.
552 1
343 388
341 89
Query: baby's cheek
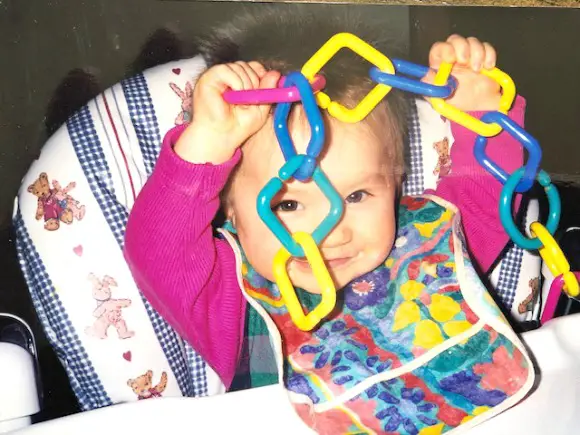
381 236
380 253
260 251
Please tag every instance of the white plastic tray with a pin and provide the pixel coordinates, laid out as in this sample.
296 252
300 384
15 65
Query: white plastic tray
553 407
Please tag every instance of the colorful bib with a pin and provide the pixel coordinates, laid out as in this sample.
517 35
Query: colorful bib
419 346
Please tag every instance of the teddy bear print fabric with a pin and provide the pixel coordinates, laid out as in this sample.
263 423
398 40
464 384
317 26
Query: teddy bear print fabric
70 218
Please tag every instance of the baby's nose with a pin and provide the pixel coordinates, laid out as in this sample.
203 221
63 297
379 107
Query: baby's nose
340 235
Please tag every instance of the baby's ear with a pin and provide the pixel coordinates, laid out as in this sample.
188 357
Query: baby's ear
228 210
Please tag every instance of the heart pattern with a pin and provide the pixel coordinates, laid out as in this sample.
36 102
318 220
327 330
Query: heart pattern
127 356
78 250
176 71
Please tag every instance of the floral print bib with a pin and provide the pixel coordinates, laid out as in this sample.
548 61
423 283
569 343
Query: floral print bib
418 347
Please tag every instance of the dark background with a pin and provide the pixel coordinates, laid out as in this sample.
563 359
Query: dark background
41 41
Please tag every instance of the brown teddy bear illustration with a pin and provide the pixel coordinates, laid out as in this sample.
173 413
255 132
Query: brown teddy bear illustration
443 167
108 312
48 206
528 303
143 387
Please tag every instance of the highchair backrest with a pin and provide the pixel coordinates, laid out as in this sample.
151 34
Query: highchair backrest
70 220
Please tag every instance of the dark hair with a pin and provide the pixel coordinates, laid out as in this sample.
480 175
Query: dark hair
284 38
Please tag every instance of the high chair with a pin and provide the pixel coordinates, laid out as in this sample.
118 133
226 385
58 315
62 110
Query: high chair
117 350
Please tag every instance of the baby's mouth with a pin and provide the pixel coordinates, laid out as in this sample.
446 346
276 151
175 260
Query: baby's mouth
334 263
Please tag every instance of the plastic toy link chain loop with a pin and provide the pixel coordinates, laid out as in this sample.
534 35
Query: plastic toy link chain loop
305 322
523 137
277 227
282 94
314 117
554 296
409 85
468 121
505 209
555 259
326 52
304 85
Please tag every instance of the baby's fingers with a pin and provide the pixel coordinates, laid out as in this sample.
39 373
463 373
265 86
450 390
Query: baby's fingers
477 54
490 58
482 55
461 48
222 78
243 71
468 52
258 68
269 80
473 53
441 52
251 73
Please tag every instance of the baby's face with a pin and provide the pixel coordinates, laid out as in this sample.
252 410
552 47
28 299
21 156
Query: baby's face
356 164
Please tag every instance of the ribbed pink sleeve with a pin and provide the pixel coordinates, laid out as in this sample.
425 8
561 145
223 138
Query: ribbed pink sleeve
476 192
188 275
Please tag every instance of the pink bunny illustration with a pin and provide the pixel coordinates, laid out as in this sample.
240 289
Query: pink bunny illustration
186 102
108 312
66 201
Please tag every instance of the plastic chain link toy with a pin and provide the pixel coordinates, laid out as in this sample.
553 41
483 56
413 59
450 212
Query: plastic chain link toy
306 86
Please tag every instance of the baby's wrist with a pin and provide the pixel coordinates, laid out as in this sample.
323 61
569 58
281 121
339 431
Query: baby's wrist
202 145
485 103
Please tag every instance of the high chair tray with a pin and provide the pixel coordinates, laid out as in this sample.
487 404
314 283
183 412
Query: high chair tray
553 407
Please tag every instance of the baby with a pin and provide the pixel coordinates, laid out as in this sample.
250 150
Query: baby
225 156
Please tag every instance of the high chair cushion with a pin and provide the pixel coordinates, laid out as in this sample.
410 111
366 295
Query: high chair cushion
70 220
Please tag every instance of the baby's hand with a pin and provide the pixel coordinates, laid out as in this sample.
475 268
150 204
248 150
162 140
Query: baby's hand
218 128
469 55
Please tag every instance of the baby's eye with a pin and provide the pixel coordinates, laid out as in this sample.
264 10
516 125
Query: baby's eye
287 206
357 196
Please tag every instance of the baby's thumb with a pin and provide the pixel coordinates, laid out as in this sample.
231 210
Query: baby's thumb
269 81
429 77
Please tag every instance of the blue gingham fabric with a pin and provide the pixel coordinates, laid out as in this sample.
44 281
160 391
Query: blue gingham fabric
61 332
414 182
509 275
70 220
114 346
143 118
517 279
90 155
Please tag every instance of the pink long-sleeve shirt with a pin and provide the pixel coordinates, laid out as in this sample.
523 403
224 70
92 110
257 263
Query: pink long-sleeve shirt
189 276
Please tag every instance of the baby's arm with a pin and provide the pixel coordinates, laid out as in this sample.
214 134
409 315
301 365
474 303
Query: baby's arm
469 186
476 192
187 275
